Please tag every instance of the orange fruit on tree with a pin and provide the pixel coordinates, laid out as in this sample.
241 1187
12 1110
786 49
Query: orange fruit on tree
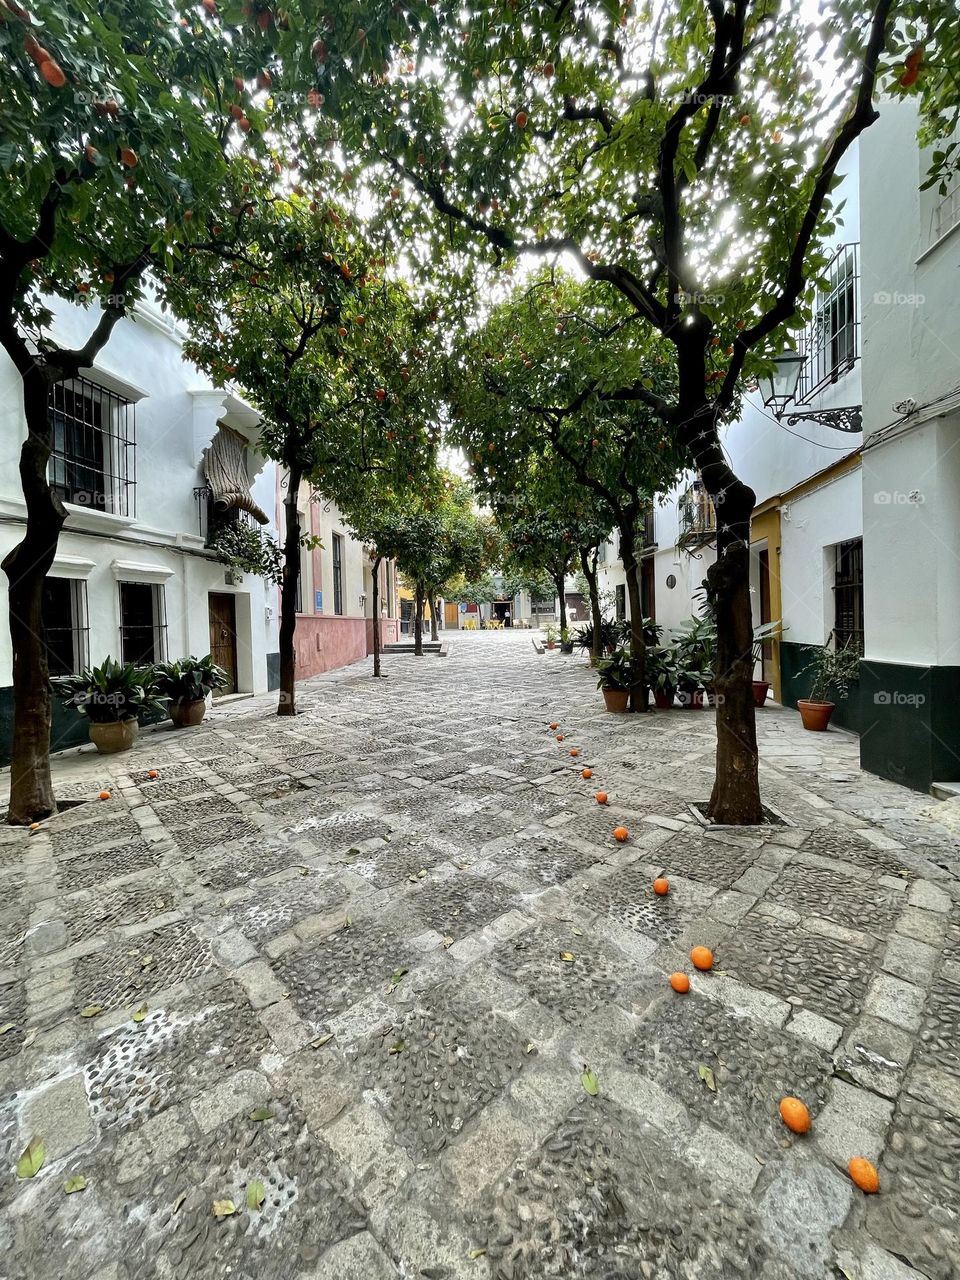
701 958
601 797
621 834
661 886
794 1115
53 73
129 157
104 795
586 773
864 1175
680 983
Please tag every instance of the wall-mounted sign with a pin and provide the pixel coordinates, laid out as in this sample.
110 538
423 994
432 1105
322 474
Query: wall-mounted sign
318 602
671 580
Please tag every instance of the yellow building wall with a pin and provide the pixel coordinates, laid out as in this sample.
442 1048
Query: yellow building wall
765 527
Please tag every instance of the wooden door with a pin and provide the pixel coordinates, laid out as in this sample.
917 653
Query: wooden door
223 635
766 648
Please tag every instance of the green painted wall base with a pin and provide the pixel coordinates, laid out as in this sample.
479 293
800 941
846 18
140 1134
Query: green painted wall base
908 718
69 728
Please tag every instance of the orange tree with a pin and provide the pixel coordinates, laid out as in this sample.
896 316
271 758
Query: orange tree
116 138
306 316
681 155
534 398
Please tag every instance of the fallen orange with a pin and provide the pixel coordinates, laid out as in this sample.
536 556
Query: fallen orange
559 737
621 834
680 983
586 773
661 886
152 773
554 725
794 1115
701 958
601 797
864 1175
104 795
574 751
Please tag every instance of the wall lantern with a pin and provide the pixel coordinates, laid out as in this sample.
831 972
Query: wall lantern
779 388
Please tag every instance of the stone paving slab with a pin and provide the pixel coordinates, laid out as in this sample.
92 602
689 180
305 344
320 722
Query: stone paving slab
359 961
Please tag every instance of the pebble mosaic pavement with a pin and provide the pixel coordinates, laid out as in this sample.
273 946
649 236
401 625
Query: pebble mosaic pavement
372 949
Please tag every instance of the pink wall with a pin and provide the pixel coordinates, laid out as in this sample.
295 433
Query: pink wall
325 643
389 632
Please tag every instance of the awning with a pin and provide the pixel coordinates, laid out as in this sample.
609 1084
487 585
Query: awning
225 467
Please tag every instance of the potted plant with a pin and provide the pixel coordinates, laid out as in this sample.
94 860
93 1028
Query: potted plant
186 684
566 640
766 631
695 645
615 679
550 633
608 637
111 696
832 669
663 675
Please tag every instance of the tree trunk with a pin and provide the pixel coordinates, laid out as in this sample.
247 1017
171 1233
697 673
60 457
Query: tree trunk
736 791
589 568
26 566
558 583
434 605
376 615
639 694
418 622
286 704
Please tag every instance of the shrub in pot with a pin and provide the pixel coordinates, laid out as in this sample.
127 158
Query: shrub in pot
112 697
566 640
766 631
833 671
550 633
608 636
663 675
186 684
615 679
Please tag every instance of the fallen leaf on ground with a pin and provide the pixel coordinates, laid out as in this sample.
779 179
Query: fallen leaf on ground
261 1113
223 1208
398 1046
146 962
7 1026
178 1203
322 1040
448 941
396 978
707 1076
141 1013
476 1253
91 1010
590 1082
256 1194
567 957
76 1182
31 1159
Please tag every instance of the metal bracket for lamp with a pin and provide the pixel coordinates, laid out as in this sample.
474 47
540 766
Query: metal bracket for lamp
780 389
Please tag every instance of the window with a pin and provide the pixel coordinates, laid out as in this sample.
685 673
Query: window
337 573
832 343
92 460
848 595
143 622
649 529
621 601
65 625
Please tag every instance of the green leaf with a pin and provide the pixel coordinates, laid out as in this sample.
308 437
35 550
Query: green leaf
256 1194
261 1113
7 1026
76 1182
31 1159
91 1010
224 1208
567 957
707 1076
398 1047
476 1253
590 1082
140 1013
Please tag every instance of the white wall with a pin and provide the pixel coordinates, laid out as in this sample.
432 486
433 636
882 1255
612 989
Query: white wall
177 410
810 527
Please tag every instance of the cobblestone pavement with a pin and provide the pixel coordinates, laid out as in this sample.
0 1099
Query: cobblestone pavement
345 972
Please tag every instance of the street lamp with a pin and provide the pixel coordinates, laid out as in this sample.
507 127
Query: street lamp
780 387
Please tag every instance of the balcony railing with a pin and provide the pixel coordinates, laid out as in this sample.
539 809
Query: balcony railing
831 342
698 518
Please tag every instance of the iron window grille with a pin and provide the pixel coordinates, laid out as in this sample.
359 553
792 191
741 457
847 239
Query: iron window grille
93 457
211 519
337 573
66 625
649 528
831 343
620 596
848 595
143 623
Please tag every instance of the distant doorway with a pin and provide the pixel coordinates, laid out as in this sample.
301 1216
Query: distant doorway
503 612
766 647
223 636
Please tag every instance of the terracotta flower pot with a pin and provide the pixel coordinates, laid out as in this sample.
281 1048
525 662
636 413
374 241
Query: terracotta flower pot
551 644
114 735
616 699
760 690
815 715
185 714
663 698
